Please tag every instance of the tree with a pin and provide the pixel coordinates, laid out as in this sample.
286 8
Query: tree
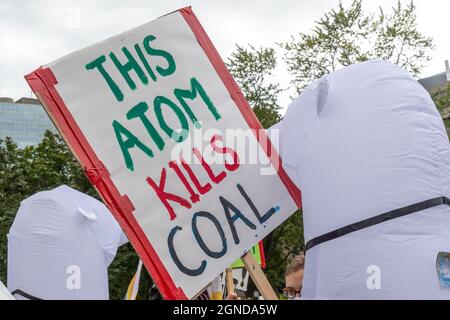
285 242
12 187
252 69
344 36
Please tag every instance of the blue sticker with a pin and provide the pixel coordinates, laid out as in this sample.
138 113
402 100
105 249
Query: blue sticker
443 269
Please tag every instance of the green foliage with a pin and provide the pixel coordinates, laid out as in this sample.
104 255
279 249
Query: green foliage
252 69
441 98
24 172
341 37
121 271
344 36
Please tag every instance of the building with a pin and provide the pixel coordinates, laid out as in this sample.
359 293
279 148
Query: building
438 81
24 120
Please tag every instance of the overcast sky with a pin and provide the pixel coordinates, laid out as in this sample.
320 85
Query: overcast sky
36 32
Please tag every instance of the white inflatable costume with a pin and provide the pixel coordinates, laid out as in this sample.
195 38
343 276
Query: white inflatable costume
369 151
4 293
60 246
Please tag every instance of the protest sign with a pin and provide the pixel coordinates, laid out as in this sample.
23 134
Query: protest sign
131 109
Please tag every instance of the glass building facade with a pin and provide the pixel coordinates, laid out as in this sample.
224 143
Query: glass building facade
25 122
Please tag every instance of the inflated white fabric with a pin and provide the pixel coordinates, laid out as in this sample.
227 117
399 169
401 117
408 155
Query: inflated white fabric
360 142
60 246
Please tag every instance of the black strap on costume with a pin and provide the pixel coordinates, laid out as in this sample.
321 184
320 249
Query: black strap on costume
376 220
25 295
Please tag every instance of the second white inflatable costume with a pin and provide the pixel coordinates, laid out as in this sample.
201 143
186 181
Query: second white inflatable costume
368 148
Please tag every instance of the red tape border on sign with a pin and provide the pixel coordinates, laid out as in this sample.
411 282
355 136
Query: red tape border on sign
42 81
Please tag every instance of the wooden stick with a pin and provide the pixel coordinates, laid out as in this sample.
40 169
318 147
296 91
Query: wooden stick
258 276
229 280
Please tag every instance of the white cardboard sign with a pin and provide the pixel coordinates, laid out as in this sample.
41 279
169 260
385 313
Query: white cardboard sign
130 108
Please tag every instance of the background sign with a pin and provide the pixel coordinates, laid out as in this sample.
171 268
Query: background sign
131 108
257 252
